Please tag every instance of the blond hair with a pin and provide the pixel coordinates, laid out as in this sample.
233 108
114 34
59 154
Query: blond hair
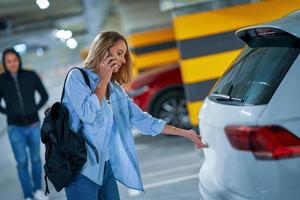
101 44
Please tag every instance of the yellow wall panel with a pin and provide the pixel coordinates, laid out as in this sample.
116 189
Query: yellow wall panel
231 18
193 109
156 58
206 67
151 37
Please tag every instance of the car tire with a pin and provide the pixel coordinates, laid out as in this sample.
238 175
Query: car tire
171 106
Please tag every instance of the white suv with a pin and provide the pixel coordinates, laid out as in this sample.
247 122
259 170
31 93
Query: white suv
251 119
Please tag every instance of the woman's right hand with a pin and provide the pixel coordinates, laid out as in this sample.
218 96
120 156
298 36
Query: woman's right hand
106 68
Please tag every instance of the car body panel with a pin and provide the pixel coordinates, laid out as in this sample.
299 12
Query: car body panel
228 173
221 164
237 174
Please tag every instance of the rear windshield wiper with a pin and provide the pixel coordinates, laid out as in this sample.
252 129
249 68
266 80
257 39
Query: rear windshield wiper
224 97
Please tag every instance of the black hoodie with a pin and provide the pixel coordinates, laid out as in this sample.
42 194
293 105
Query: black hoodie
18 94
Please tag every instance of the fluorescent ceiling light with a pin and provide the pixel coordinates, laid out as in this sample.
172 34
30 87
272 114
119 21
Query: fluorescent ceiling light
63 35
20 48
72 43
43 4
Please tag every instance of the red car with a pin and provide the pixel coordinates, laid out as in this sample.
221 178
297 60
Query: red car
160 92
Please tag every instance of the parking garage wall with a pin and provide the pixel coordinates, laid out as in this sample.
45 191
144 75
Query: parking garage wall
207 43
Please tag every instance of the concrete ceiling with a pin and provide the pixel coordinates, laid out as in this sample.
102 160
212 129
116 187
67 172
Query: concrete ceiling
23 12
22 21
142 15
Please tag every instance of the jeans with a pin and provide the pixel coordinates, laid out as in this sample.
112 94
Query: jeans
82 188
21 138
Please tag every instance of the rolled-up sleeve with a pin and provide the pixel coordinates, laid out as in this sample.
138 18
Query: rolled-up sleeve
85 103
143 121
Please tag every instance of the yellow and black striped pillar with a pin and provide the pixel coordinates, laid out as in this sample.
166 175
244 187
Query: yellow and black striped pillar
153 48
207 43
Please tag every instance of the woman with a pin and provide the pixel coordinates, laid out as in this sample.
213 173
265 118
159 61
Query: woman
107 114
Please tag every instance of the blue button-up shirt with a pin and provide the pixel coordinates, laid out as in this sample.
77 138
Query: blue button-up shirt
84 105
111 130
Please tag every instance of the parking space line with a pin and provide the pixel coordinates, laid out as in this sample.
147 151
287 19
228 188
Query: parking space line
132 192
172 170
171 181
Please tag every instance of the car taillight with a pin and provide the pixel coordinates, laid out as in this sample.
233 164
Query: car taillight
266 142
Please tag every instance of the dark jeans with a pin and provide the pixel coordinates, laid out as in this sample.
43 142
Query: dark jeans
82 188
20 139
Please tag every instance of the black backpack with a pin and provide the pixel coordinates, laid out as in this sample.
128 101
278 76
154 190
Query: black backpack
66 151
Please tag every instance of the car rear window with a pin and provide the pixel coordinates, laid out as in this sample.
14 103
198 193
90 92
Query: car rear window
254 76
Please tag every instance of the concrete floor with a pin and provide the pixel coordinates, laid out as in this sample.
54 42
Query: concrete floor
169 167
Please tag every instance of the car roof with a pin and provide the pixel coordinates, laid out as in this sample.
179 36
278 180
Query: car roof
289 23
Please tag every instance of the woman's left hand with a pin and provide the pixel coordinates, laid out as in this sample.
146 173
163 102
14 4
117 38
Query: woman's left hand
194 137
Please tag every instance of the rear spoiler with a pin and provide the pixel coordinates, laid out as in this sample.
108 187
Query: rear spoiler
266 35
288 26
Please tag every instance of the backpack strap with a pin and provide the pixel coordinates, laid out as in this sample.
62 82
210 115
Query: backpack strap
85 76
88 83
47 186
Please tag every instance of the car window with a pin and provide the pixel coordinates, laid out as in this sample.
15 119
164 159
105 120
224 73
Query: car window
255 75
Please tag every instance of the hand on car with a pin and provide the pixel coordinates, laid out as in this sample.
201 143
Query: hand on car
194 137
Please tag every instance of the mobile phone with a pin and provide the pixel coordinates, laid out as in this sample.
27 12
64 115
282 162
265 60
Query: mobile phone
109 54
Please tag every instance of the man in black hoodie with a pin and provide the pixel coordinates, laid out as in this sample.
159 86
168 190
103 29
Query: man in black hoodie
17 89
